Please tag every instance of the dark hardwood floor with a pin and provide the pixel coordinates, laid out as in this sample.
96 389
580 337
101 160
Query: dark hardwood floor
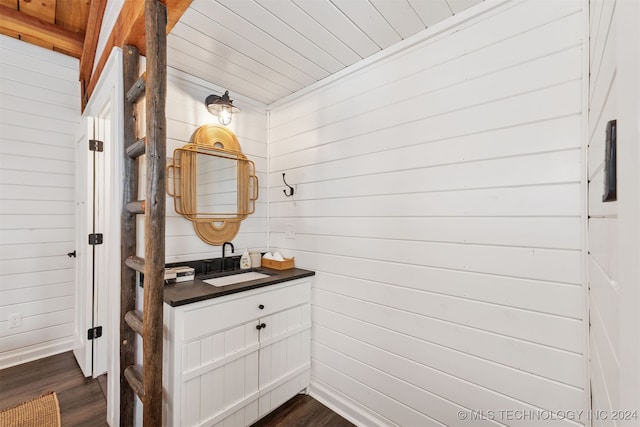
303 411
83 402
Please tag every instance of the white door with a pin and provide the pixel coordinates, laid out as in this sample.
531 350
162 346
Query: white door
90 294
83 348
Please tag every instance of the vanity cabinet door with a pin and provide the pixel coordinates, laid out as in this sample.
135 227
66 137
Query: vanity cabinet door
285 346
221 377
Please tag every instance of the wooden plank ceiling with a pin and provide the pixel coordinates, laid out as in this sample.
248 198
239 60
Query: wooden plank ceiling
262 49
268 49
53 24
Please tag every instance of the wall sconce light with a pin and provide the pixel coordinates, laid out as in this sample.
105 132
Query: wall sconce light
221 106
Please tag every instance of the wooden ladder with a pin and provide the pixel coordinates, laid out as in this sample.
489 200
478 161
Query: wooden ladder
146 380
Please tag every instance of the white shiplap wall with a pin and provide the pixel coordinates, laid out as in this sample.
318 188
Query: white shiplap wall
438 198
39 117
185 113
603 246
627 23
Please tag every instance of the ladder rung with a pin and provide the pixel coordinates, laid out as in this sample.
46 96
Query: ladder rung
136 207
137 89
134 319
133 374
137 149
136 263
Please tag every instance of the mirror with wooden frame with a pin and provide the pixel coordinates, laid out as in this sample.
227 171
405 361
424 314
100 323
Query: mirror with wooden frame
213 184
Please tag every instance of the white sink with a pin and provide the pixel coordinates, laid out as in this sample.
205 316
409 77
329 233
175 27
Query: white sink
235 278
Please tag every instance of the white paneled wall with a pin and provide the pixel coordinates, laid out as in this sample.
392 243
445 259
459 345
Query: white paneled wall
627 24
438 197
39 117
603 246
111 12
185 113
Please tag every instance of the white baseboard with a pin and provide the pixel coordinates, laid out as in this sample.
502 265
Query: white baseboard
28 354
343 405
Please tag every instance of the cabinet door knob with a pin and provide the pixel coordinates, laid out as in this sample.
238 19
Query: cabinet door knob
258 327
261 306
263 325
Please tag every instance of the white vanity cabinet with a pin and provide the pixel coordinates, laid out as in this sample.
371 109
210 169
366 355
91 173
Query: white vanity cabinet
231 360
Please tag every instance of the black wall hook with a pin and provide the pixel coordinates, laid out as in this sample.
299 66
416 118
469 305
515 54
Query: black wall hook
291 190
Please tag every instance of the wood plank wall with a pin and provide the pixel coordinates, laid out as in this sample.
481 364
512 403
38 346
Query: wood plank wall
438 197
185 113
603 244
39 118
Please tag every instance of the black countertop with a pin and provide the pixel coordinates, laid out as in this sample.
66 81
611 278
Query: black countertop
182 293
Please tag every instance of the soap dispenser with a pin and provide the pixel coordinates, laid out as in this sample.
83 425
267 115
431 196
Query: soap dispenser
245 260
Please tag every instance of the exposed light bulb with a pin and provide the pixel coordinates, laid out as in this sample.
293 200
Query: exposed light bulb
224 116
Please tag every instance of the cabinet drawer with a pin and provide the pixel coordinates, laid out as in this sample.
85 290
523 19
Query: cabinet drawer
222 314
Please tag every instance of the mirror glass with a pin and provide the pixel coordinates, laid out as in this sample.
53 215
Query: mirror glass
217 185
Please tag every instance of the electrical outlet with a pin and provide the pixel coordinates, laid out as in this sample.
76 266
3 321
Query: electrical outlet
290 231
15 320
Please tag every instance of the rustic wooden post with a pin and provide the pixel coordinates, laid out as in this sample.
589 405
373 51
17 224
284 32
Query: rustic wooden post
155 157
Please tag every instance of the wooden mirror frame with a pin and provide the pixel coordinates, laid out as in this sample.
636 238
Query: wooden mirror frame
219 141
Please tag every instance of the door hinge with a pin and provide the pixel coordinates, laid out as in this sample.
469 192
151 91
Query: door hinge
95 145
95 239
94 333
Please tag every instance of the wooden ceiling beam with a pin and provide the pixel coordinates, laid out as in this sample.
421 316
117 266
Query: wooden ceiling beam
129 29
175 10
94 24
23 24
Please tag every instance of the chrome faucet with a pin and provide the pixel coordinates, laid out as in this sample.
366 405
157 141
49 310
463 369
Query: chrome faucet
223 247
